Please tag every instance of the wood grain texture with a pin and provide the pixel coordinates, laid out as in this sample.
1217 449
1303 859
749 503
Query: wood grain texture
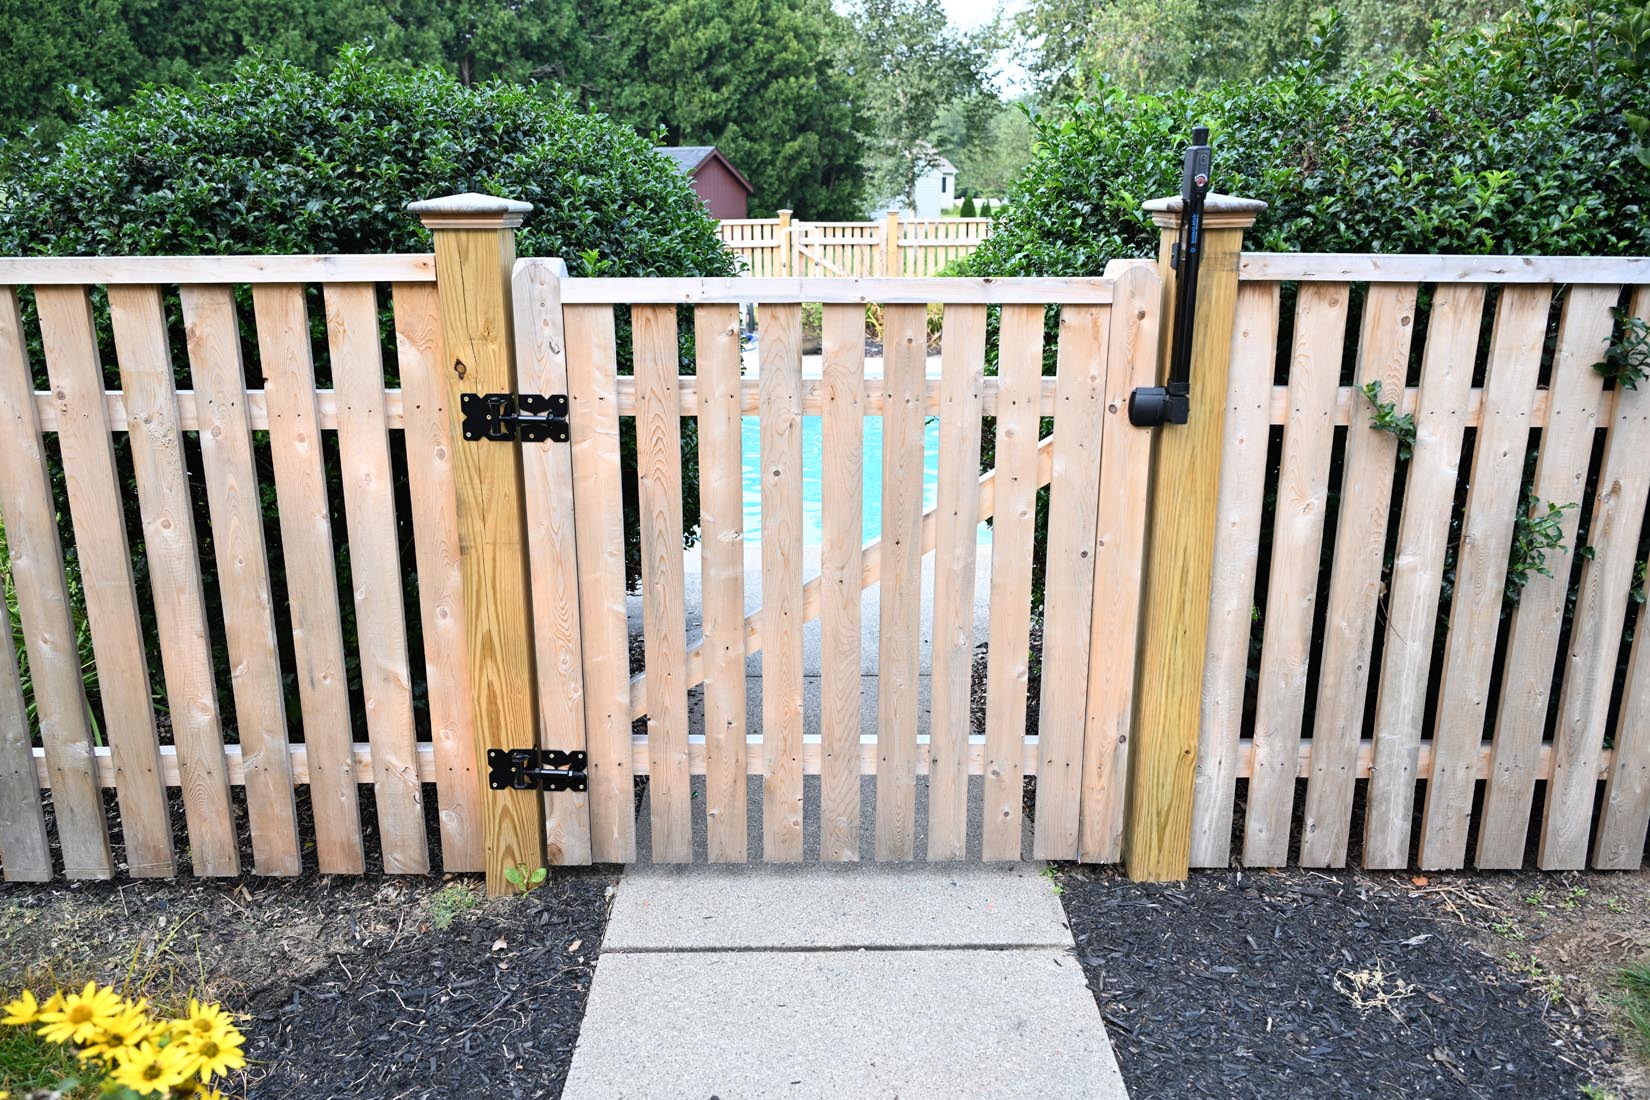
1418 570
1175 619
840 566
1020 367
312 586
836 291
212 333
552 553
1355 582
375 574
899 625
430 476
1576 402
1068 577
1232 581
118 644
172 554
957 507
594 447
477 332
1589 662
781 614
722 581
1481 571
1292 590
25 852
1400 268
1619 842
1119 560
659 496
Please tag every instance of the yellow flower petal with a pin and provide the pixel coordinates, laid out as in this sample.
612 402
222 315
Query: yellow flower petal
23 1011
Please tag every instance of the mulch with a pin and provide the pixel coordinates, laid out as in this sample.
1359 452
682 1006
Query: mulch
1245 985
489 1007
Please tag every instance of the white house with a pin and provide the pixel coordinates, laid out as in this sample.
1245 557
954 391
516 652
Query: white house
936 189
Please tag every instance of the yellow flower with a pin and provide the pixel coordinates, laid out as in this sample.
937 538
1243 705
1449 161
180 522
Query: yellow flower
80 1015
127 1028
147 1069
23 1011
212 1053
203 1019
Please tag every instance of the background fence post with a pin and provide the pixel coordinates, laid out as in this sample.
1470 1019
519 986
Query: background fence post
475 249
784 237
890 244
1180 551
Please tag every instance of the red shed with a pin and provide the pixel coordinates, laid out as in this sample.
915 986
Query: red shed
718 183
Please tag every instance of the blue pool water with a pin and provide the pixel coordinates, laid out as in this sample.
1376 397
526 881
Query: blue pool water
812 477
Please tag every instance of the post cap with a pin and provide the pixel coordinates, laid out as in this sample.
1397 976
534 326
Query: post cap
470 211
1219 211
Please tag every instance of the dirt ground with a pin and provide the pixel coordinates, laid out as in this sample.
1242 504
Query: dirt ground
360 987
1254 984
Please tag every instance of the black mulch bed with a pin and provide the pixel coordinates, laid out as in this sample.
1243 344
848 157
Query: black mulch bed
1226 986
489 1008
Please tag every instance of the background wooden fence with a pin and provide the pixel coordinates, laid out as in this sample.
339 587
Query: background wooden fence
1370 691
781 247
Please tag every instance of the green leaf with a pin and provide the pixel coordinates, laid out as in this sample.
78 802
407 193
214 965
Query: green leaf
539 876
514 876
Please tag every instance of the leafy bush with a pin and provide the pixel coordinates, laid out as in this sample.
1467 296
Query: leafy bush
1528 139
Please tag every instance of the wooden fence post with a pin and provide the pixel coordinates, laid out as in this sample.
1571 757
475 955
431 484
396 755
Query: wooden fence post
1180 551
784 236
890 244
475 249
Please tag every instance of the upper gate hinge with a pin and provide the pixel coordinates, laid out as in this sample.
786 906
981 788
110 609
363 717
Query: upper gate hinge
505 417
537 770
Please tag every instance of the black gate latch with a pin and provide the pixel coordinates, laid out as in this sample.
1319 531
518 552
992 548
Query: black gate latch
536 770
502 417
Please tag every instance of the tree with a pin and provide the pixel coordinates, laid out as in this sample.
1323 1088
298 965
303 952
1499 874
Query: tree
909 64
969 210
991 153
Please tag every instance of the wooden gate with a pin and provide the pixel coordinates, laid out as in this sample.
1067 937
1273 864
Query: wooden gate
1040 369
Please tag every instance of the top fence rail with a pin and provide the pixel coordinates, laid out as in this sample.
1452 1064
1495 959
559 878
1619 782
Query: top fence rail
155 270
1401 268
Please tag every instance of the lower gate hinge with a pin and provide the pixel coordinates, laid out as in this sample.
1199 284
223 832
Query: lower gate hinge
507 417
537 770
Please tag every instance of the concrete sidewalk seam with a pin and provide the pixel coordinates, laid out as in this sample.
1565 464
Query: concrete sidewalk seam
796 949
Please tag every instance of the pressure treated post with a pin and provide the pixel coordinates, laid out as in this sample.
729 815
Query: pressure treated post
475 249
783 233
1180 550
890 244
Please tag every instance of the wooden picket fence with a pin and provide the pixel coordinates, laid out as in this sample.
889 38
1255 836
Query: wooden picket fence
1398 709
780 247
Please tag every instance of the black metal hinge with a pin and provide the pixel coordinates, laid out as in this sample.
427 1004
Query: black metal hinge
536 770
505 417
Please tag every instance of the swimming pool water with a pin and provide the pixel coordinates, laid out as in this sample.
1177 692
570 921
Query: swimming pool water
813 457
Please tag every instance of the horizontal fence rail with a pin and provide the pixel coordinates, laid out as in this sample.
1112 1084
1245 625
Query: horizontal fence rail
895 246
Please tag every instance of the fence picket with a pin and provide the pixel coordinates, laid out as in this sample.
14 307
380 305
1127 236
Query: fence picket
1575 399
722 579
173 558
375 573
1481 571
212 333
101 548
1068 577
25 853
781 433
1601 604
1292 591
900 598
1119 561
593 417
1417 570
962 366
1355 581
312 584
659 495
1622 825
552 557
430 476
841 563
1020 368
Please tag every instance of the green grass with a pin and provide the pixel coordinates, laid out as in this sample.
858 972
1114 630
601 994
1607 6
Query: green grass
1635 984
28 1062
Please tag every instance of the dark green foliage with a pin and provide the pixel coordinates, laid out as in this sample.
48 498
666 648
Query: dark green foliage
1385 417
969 210
1516 142
1626 361
1535 531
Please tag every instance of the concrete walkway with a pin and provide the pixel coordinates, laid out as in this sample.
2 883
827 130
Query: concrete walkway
847 982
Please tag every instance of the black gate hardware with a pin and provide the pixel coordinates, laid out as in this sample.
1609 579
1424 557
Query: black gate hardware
1151 406
536 770
502 417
